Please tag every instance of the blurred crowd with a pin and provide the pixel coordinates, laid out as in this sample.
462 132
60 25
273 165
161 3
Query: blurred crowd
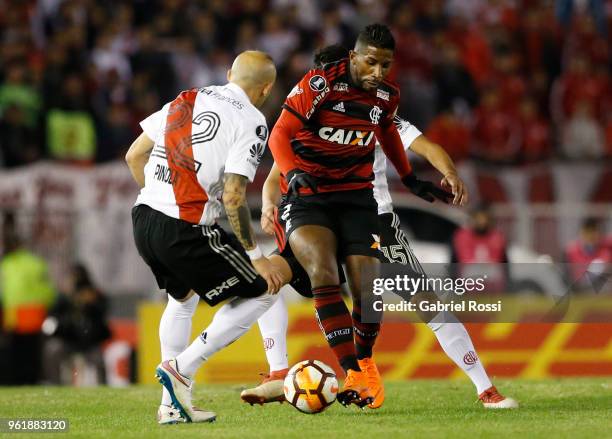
481 246
43 332
502 81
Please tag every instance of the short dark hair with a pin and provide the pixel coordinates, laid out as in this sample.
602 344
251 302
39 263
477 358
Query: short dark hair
328 54
377 35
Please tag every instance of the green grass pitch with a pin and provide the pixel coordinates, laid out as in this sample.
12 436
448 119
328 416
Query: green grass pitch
568 408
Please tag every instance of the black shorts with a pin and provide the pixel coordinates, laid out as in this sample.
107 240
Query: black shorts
351 215
394 246
300 281
186 257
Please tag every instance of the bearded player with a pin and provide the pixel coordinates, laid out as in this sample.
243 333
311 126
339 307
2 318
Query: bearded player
450 333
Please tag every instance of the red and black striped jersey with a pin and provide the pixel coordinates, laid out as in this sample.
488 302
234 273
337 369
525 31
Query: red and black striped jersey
336 143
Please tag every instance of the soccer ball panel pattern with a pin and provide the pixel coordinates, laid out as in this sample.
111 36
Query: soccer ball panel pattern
311 386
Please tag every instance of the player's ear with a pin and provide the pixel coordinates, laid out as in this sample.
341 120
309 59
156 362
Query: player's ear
229 75
352 55
267 88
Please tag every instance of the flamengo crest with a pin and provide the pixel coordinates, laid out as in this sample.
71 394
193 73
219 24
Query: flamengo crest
375 113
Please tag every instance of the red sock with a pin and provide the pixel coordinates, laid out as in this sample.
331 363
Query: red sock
335 322
365 333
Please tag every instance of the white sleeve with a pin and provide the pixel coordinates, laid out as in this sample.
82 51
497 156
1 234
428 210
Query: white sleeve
408 132
247 148
153 126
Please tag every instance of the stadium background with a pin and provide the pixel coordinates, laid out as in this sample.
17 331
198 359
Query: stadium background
517 91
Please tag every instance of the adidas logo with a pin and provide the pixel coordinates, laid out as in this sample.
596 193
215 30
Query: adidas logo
256 151
339 107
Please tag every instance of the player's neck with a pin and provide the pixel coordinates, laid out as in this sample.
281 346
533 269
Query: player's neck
251 92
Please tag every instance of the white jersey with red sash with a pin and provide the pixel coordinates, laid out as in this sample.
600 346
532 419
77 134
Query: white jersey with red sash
198 137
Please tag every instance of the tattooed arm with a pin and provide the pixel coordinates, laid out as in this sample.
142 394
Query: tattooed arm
239 215
137 157
237 209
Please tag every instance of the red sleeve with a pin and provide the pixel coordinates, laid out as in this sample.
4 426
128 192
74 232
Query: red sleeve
284 130
392 145
307 95
299 106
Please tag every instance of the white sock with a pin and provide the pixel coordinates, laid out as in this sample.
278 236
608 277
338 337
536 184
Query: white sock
229 323
457 344
273 327
175 331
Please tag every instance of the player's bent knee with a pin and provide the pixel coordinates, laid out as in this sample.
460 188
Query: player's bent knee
323 274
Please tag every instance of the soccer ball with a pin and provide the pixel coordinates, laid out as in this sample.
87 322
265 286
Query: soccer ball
311 386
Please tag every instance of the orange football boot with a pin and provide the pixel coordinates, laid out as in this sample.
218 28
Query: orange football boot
355 390
375 383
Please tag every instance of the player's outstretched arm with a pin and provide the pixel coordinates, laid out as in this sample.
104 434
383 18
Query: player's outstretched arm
138 156
439 159
239 216
391 143
270 197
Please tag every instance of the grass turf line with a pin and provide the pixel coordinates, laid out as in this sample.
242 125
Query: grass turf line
572 408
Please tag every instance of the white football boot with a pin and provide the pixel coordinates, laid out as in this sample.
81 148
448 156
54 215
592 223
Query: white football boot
492 399
166 414
179 387
271 389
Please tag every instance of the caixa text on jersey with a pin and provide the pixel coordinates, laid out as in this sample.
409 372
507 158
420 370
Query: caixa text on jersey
346 137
